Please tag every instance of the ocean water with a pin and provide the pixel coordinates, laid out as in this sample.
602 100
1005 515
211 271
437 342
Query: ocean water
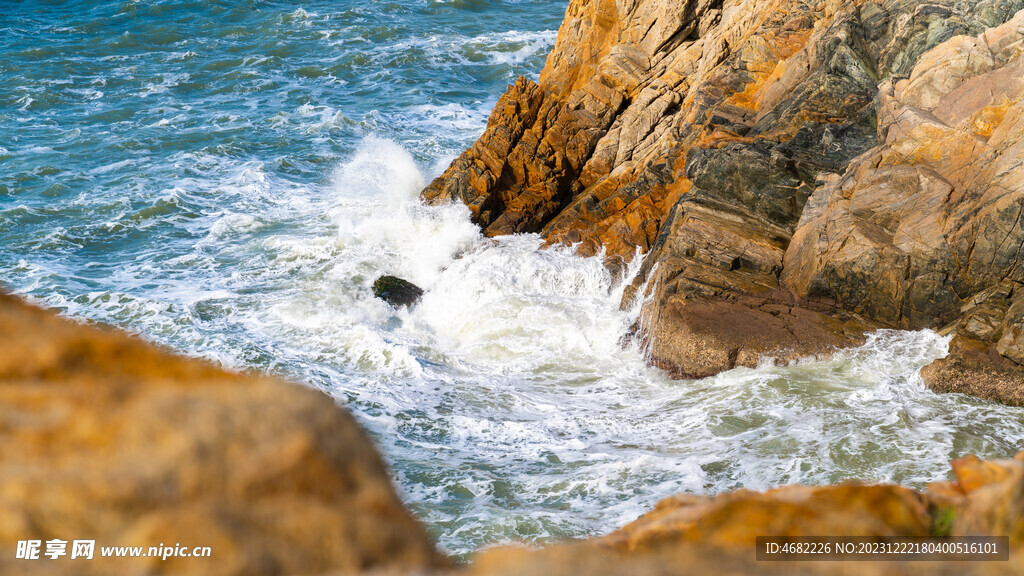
229 177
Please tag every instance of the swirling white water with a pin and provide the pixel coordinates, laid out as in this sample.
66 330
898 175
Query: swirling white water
230 178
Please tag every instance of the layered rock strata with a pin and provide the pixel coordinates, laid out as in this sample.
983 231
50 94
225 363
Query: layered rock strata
697 132
926 229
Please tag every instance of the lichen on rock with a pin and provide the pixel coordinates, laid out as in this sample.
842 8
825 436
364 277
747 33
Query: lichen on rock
925 229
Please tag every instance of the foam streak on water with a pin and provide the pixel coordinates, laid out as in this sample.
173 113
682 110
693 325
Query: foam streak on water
230 179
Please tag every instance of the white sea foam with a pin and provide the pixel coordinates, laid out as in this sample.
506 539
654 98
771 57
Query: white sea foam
229 224
506 48
504 400
514 47
166 83
113 166
507 388
88 93
300 14
451 116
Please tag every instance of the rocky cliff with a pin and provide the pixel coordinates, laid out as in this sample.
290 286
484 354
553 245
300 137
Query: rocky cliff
106 438
798 172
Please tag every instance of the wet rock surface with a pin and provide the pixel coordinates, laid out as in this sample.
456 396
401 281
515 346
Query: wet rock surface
843 164
397 291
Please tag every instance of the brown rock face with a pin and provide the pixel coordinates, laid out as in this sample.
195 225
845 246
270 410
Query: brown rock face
696 337
985 500
735 520
106 438
698 131
925 229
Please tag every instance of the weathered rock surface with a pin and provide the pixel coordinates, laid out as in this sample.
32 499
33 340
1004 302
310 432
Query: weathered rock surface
975 368
697 337
925 230
697 131
106 438
736 519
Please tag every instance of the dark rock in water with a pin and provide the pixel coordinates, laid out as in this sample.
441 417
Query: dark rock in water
396 291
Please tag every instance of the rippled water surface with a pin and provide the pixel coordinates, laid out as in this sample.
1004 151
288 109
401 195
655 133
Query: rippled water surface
229 178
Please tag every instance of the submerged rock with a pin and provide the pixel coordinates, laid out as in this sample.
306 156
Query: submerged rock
396 291
741 145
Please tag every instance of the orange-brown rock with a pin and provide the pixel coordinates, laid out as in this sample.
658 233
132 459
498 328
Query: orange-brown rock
696 132
926 229
994 498
106 438
735 520
976 368
696 337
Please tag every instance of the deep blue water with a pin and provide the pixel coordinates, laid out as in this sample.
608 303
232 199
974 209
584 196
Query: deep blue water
126 127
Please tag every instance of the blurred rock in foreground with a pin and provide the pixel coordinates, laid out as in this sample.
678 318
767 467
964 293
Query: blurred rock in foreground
716 534
106 438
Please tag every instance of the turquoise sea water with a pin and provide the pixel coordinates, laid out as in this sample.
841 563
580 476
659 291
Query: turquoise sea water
228 178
